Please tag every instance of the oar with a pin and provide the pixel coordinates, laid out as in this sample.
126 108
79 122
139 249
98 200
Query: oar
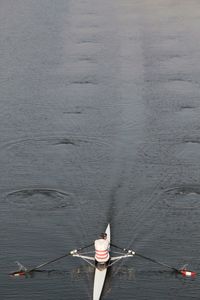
183 271
60 257
25 271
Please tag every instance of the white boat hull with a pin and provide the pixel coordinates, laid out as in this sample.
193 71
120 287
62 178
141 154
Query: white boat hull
100 275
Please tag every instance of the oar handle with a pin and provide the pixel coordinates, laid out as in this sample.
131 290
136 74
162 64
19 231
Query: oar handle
122 249
85 247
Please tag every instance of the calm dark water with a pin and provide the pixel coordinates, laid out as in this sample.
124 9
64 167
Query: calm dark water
99 122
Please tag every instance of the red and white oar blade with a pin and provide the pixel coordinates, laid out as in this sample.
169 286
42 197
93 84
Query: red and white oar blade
187 273
18 273
21 272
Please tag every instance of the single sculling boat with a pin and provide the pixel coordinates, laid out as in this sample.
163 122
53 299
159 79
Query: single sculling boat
100 268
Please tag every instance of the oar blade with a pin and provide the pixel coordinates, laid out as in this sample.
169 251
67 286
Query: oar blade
21 272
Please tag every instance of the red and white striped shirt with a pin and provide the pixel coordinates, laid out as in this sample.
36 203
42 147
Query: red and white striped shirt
101 250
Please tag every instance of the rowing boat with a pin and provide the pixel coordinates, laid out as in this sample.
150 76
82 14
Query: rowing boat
100 269
100 274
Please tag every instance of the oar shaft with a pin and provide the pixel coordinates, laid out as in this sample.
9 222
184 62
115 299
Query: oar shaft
156 261
49 262
148 258
58 258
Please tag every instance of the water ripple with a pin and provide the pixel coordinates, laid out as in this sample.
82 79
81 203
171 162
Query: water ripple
38 199
183 197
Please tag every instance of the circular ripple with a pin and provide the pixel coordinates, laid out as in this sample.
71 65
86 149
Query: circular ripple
39 199
183 197
50 140
90 149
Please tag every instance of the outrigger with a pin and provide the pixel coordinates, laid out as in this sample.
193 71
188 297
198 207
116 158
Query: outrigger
101 268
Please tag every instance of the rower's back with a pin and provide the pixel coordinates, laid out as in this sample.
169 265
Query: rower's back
101 250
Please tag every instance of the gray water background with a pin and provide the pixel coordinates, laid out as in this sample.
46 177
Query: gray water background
99 122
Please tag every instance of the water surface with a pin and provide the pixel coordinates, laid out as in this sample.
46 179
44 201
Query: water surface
99 118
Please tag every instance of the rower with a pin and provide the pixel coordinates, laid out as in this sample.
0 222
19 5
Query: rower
102 247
